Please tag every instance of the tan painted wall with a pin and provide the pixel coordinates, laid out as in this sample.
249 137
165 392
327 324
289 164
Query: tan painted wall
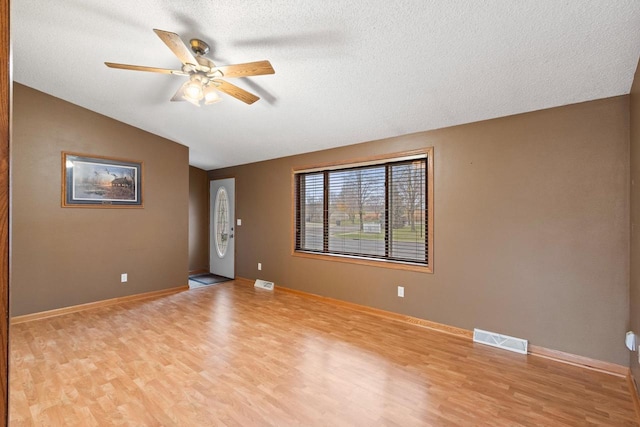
635 217
198 219
531 229
68 256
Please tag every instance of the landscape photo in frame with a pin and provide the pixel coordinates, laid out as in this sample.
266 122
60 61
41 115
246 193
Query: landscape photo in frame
95 181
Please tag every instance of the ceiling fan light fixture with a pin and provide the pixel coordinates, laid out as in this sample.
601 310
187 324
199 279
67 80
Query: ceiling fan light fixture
193 90
193 101
211 95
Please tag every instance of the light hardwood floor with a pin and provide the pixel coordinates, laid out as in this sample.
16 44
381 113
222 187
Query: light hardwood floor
229 354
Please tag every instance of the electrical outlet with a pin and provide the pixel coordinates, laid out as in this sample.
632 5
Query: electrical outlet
123 277
401 291
259 266
238 222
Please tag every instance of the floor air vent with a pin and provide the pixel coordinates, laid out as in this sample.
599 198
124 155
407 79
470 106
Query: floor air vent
263 284
501 341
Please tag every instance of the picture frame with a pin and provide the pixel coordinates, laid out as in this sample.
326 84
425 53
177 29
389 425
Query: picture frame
90 181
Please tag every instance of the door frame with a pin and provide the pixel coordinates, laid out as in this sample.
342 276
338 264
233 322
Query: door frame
235 226
5 137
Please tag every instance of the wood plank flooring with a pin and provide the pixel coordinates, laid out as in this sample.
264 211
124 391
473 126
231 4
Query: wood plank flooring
232 355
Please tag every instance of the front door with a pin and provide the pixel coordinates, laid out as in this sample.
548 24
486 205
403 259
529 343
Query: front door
222 226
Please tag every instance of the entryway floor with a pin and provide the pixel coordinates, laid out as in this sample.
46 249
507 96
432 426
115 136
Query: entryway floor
198 280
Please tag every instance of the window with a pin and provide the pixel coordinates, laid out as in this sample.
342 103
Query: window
378 210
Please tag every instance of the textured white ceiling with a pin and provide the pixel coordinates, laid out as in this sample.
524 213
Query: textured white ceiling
346 71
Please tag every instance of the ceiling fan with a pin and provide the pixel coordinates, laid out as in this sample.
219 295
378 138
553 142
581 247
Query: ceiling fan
204 76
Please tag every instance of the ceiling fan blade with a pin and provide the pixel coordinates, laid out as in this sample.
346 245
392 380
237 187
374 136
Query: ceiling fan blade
179 49
236 92
143 68
245 70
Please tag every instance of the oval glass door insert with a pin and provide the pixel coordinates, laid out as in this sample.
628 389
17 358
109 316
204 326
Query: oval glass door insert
221 223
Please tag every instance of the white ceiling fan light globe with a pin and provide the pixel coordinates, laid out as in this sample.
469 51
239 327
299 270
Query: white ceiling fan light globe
193 90
211 95
193 101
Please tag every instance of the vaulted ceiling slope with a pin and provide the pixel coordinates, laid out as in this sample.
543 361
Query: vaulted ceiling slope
346 71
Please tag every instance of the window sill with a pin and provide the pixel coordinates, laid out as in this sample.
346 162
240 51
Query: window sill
395 265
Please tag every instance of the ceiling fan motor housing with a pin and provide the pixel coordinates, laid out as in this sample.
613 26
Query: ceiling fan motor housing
199 47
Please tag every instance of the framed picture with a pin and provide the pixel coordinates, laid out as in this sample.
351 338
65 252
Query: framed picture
100 182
